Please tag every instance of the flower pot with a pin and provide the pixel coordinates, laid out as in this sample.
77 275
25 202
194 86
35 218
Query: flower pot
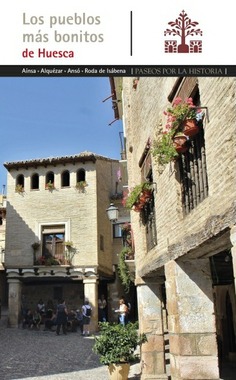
119 371
180 143
145 196
138 207
190 127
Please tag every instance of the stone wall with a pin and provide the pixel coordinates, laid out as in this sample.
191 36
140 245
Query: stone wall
84 213
182 240
143 112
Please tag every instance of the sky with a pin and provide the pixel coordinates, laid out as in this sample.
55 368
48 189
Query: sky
51 117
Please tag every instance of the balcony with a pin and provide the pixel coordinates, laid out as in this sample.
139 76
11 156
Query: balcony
53 260
59 253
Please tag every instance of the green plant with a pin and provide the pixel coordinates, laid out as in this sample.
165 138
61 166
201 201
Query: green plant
49 186
43 260
117 343
123 269
163 148
133 196
81 185
35 245
19 188
68 244
51 261
179 112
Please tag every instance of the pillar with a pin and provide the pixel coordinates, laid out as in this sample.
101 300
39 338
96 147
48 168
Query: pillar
233 254
91 293
233 251
14 302
191 320
151 323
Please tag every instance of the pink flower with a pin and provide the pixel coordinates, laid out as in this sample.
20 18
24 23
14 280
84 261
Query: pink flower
177 101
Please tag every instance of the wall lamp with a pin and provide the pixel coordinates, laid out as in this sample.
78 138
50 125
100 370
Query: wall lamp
112 213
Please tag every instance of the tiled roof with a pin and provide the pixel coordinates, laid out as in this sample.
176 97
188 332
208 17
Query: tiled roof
81 157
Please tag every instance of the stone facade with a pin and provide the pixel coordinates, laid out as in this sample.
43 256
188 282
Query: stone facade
79 215
189 246
3 289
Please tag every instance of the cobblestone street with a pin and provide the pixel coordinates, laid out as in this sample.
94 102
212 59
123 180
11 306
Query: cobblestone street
44 355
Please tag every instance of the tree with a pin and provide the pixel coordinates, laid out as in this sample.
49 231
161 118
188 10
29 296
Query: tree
183 27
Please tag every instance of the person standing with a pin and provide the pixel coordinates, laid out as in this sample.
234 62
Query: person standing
102 304
41 307
61 317
87 312
123 312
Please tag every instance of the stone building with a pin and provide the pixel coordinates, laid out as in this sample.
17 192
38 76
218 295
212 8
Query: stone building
185 236
59 241
3 288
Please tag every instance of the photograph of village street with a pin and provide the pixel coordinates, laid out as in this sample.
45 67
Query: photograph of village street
118 228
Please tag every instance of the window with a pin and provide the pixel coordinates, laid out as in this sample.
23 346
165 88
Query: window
80 175
20 180
192 164
193 173
148 212
49 178
65 179
35 182
53 238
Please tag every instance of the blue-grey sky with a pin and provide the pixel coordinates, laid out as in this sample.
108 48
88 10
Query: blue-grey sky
50 117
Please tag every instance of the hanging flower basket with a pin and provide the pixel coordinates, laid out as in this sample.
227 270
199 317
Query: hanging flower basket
145 196
190 127
137 207
179 142
136 198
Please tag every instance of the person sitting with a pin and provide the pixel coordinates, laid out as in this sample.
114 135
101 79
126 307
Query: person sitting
50 320
36 320
27 319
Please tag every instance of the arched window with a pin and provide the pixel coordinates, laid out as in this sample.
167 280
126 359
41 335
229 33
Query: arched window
35 181
80 175
20 183
49 183
20 180
65 178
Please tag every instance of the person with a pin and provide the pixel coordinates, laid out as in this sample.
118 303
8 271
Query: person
102 304
50 320
123 312
61 317
41 307
36 320
27 319
79 317
72 321
87 312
